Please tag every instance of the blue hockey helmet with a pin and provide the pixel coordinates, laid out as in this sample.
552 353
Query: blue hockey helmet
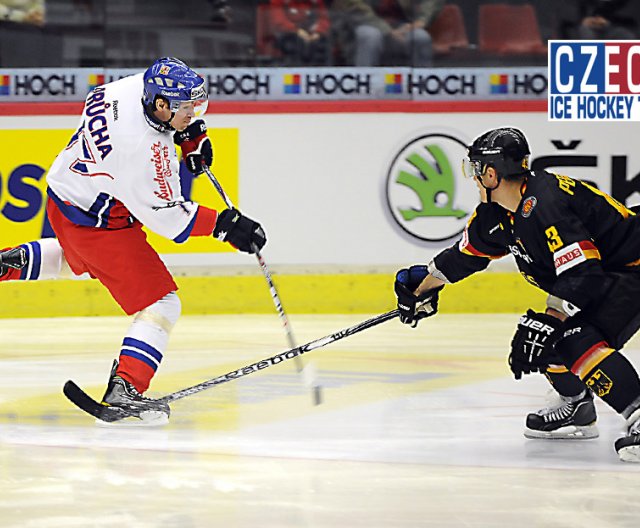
174 81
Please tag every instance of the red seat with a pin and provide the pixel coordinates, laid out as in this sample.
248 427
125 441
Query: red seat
448 31
509 30
265 39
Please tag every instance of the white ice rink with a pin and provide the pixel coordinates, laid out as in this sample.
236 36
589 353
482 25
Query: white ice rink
418 428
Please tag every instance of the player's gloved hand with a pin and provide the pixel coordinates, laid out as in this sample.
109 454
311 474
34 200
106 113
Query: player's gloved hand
413 307
532 346
240 231
196 146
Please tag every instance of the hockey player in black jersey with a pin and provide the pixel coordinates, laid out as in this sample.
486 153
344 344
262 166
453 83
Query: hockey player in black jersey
577 244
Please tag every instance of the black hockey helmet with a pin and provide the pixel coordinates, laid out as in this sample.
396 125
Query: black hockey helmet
505 149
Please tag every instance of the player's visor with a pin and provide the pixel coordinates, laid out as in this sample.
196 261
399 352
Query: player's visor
472 168
196 108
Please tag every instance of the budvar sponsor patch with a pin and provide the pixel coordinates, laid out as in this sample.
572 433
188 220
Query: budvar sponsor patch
594 80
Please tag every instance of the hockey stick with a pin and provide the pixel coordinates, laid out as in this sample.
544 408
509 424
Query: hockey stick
293 353
307 372
107 414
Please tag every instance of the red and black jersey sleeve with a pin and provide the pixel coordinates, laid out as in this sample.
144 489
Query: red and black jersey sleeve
484 239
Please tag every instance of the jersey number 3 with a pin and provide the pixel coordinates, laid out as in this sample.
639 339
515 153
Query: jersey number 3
553 239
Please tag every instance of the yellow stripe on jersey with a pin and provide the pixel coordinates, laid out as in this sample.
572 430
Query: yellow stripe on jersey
626 213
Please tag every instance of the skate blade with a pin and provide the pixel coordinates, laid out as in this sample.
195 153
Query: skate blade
570 432
147 419
630 453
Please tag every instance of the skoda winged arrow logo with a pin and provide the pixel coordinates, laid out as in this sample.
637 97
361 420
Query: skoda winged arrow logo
426 192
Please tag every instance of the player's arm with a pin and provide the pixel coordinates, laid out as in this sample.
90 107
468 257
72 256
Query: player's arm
417 288
156 201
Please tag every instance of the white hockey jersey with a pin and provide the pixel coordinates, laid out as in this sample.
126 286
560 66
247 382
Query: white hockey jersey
117 168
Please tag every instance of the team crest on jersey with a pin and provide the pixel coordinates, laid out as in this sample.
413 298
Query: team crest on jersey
600 383
528 205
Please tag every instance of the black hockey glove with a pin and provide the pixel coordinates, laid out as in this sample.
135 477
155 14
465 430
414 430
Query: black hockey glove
240 231
196 146
412 307
532 345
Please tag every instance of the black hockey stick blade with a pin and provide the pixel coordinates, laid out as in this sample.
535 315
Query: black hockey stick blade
86 403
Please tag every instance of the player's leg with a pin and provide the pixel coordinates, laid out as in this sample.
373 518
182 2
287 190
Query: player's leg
610 375
140 356
124 262
37 260
573 416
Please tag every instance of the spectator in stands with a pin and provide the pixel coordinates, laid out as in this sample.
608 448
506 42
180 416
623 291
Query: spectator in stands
301 30
605 20
24 42
23 11
221 12
373 32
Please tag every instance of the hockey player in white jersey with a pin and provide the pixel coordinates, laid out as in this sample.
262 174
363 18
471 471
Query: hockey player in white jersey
118 173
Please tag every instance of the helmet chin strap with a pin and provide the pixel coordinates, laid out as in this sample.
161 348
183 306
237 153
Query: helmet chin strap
154 122
487 189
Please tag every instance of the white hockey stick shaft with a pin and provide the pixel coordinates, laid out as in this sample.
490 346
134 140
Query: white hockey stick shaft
280 358
307 372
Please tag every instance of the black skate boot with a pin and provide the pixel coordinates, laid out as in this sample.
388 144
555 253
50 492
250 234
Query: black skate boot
628 447
573 418
124 397
15 258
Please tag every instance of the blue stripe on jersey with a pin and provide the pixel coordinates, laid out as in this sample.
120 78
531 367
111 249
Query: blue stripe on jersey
182 237
97 216
105 215
97 209
139 357
130 342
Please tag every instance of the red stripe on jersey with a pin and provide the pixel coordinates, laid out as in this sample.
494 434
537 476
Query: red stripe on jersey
205 221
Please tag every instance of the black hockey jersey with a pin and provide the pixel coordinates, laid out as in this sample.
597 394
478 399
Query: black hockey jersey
564 236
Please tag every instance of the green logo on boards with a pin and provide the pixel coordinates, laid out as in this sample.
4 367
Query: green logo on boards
426 193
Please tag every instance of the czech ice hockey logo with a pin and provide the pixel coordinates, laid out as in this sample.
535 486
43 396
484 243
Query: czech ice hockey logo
426 193
528 205
594 80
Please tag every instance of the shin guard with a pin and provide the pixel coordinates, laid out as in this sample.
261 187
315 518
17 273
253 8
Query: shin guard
143 346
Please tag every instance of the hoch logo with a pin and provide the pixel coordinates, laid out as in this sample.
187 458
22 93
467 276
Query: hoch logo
426 193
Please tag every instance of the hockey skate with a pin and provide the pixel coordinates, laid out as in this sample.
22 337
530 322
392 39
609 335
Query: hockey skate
628 447
122 396
15 258
572 418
